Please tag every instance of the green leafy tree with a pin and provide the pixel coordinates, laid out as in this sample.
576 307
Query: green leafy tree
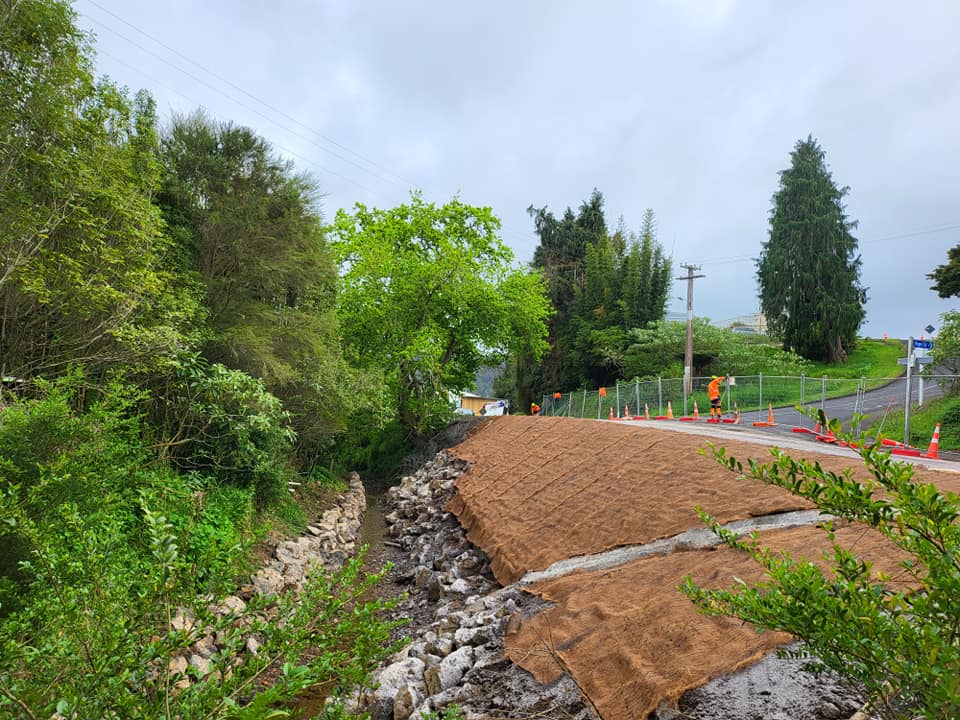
249 239
946 278
81 281
659 349
946 350
602 285
898 642
809 270
561 258
429 296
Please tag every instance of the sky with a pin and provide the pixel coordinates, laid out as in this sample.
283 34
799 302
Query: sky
688 107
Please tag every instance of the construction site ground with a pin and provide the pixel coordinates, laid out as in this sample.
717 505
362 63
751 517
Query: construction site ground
563 504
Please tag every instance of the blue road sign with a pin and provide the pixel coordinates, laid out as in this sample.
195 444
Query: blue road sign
927 344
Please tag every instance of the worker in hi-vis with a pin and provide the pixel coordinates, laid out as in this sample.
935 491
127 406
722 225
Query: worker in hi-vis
713 392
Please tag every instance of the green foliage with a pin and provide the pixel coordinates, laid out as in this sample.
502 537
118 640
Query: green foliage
80 274
96 641
93 463
923 420
946 350
901 645
659 348
374 452
809 272
248 233
602 286
946 278
453 712
428 297
222 424
871 359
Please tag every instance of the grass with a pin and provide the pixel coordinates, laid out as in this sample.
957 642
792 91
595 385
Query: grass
872 359
875 360
944 410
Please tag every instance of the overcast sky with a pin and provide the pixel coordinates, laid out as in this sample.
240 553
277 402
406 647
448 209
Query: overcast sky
684 106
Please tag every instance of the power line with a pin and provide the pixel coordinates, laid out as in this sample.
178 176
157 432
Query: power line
242 104
519 238
895 236
240 89
281 148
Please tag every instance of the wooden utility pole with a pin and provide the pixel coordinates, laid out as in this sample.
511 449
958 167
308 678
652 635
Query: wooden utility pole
688 354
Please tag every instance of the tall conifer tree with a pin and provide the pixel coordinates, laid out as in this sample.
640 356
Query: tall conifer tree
809 269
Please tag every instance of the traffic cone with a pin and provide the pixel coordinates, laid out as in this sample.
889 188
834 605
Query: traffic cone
626 412
770 414
669 411
934 444
696 410
611 414
646 411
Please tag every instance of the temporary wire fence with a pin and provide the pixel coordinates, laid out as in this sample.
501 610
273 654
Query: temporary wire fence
752 395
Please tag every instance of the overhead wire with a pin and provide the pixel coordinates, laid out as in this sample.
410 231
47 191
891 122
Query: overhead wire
232 99
396 179
894 236
281 148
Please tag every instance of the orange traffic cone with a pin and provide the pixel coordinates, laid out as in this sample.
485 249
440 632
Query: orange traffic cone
626 412
696 410
770 414
934 444
646 411
669 411
611 414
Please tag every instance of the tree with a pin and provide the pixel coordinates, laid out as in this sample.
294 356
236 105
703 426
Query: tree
809 270
947 277
946 350
428 296
896 637
602 286
81 280
249 238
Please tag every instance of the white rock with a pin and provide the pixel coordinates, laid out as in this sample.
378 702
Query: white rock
405 701
407 672
450 670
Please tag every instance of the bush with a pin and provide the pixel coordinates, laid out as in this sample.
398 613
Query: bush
222 424
900 645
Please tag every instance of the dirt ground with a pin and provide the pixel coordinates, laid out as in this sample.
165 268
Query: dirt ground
544 489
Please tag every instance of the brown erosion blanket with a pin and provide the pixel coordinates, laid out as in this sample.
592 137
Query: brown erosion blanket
541 490
631 641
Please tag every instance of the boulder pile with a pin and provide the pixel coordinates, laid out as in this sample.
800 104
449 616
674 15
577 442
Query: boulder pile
328 542
459 616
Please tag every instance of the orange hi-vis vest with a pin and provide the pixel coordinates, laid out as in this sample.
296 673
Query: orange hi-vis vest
713 389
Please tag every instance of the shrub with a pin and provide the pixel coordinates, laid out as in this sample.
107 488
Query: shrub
223 424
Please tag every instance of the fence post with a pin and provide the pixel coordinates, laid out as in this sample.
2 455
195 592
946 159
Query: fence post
583 405
636 387
803 382
690 383
760 406
617 413
863 393
599 403
659 395
823 391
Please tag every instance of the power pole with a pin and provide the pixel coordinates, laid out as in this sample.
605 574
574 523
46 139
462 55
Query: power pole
688 355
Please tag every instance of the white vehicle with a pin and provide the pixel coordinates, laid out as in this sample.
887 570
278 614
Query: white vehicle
495 408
